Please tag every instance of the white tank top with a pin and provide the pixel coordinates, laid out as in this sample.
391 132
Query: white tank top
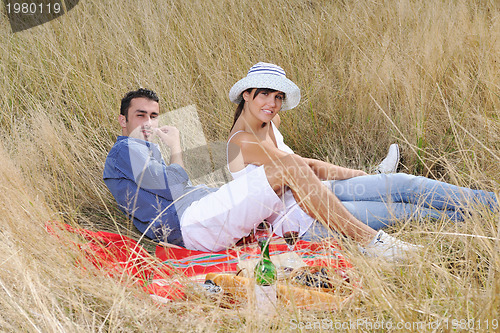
279 141
295 217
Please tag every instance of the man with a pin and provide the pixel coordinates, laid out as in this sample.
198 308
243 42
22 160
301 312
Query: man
166 207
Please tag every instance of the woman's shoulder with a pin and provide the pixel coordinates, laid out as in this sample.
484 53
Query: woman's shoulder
240 136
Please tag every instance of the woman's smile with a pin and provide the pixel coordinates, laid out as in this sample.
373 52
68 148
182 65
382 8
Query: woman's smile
265 105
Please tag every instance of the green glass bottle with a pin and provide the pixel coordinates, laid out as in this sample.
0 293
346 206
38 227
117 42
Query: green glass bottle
265 280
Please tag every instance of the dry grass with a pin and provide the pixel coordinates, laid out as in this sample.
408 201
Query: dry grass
422 73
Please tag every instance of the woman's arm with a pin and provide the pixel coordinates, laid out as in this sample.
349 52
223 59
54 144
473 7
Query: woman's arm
252 150
258 153
328 171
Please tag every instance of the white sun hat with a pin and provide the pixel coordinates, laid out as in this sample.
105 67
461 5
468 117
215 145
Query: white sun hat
270 76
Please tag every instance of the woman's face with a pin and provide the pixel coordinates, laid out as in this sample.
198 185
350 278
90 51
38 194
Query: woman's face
265 105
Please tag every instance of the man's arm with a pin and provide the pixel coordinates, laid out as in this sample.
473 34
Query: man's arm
142 163
169 135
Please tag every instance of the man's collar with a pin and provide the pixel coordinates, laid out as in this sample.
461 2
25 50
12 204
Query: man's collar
135 140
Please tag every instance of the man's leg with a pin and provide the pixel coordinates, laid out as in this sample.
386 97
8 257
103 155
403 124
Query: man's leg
416 190
390 163
379 215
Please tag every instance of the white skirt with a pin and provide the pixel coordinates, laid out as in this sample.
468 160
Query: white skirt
220 219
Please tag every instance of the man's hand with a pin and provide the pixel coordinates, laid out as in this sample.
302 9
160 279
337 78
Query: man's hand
169 135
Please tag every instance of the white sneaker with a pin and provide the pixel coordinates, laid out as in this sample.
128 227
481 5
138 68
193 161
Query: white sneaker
390 248
390 163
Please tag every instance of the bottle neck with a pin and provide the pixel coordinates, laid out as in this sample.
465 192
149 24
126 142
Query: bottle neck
264 248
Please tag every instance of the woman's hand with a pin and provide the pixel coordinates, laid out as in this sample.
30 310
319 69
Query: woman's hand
328 171
358 173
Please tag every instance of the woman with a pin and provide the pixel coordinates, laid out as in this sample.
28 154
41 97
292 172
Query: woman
368 202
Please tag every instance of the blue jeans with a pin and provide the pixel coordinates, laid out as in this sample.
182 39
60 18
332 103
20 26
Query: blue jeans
382 200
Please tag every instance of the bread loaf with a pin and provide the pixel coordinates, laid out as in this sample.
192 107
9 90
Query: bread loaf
239 287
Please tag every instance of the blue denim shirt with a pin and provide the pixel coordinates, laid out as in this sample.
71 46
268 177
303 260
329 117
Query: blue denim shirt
153 194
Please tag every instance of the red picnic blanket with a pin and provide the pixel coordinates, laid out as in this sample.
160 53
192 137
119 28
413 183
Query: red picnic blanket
195 263
117 255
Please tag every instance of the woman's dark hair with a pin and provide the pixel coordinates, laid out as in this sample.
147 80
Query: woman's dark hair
239 108
146 93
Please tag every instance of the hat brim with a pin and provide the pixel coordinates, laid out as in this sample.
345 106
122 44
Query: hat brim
269 81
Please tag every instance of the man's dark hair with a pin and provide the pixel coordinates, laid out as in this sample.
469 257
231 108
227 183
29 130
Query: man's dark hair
146 93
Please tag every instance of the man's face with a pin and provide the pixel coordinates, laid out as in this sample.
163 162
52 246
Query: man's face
142 118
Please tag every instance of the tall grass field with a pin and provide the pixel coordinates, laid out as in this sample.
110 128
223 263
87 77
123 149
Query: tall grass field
424 74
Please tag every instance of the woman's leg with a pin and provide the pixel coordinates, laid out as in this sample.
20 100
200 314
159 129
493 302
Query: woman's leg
315 198
376 215
416 190
321 204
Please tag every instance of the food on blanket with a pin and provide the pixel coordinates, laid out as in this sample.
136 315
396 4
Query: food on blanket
321 278
208 290
318 279
239 286
211 287
307 298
